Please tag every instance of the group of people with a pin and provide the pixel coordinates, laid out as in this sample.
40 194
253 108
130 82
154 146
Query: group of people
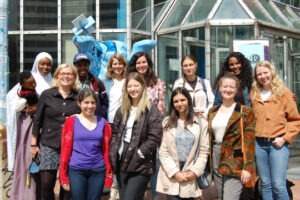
110 133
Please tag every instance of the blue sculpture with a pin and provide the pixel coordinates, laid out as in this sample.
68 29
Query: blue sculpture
99 51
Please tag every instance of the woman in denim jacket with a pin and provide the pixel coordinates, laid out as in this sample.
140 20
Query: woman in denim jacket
240 66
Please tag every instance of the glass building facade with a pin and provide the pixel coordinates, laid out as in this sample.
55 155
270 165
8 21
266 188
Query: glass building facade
203 28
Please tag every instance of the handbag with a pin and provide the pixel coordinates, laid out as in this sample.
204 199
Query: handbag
204 180
253 178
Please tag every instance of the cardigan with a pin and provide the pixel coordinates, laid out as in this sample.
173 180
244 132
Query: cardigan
66 150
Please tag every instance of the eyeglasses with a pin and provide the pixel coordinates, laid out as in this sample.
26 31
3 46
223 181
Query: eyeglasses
65 74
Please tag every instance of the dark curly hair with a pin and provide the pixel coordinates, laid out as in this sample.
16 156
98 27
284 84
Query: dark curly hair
246 73
150 77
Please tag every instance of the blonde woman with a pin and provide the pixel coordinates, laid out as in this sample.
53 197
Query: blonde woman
114 83
136 134
54 105
277 125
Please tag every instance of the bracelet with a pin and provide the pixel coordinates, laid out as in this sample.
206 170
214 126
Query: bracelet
33 145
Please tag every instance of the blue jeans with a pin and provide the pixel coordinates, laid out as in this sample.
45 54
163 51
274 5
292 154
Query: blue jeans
86 184
272 166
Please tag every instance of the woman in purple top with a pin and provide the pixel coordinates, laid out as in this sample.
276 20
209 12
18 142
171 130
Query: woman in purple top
84 162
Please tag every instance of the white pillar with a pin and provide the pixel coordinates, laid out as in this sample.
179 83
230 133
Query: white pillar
5 176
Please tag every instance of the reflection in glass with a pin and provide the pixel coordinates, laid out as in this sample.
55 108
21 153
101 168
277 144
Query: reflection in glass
296 11
205 7
221 39
229 9
178 13
13 15
267 5
113 36
159 7
256 10
169 68
14 59
40 16
141 19
73 8
294 45
293 20
68 48
34 44
113 14
194 44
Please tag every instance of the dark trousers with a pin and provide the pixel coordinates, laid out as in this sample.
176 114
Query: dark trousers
132 186
86 184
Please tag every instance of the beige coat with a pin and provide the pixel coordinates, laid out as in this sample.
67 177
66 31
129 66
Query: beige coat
170 165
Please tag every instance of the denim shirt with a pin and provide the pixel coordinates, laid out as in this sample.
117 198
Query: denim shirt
246 93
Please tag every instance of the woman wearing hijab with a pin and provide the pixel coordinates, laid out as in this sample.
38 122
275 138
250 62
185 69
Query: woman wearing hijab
41 71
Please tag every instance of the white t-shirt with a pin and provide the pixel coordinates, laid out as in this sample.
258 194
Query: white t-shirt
115 98
265 94
128 129
219 124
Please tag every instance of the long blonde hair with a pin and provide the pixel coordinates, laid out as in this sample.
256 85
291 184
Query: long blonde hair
55 83
277 86
144 103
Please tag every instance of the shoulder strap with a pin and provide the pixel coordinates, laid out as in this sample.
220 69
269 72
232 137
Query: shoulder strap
242 135
198 144
204 89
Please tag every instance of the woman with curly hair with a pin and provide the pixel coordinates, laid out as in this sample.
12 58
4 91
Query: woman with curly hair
240 66
277 124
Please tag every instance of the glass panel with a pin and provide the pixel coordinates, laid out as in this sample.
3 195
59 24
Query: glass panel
34 44
68 48
296 11
294 45
293 20
73 8
296 74
295 3
229 9
178 13
14 15
141 15
40 15
14 59
205 7
256 10
113 14
113 36
168 61
221 39
194 44
277 55
267 5
159 7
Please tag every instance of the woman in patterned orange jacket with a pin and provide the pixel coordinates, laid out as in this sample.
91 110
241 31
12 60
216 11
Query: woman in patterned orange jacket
224 125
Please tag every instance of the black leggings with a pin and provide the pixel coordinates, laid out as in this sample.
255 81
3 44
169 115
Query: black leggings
48 180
